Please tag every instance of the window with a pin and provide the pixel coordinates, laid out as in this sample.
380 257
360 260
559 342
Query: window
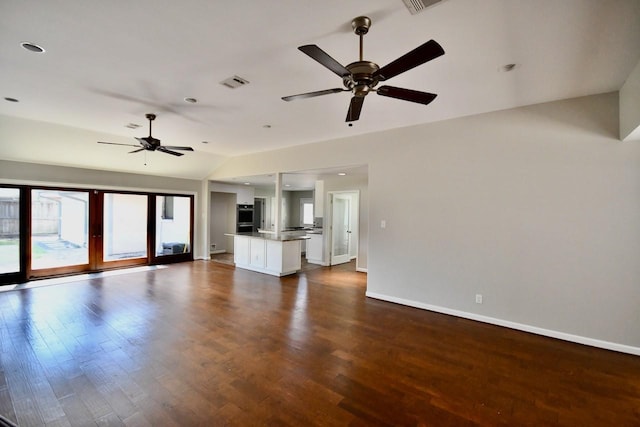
9 230
306 212
173 237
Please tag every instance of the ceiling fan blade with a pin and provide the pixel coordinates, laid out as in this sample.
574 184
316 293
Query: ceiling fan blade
173 147
418 56
136 151
117 143
406 94
355 107
164 150
323 58
313 94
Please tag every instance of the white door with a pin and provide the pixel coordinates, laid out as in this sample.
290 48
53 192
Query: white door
340 228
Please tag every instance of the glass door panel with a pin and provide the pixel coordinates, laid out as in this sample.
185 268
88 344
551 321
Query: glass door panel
59 228
9 230
124 234
341 229
173 225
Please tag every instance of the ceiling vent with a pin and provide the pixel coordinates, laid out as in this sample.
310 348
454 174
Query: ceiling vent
234 82
416 6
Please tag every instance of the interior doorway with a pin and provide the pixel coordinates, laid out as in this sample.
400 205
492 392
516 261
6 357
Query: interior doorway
343 233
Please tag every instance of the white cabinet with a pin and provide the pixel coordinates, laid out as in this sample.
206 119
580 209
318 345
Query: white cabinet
257 252
315 249
241 250
283 257
245 195
275 257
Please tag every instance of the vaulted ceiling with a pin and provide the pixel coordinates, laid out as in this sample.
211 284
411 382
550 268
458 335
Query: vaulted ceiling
108 63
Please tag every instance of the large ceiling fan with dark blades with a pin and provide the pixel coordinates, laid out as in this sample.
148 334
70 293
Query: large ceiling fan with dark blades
150 143
361 77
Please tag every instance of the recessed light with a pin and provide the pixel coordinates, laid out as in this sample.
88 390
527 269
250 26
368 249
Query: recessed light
342 173
190 100
32 47
132 126
287 185
508 67
11 99
267 126
205 142
247 183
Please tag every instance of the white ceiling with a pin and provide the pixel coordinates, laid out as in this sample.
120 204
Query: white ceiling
107 63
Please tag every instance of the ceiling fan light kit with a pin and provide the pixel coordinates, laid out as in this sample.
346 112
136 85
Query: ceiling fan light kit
361 77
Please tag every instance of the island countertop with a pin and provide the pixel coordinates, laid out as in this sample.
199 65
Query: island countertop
271 236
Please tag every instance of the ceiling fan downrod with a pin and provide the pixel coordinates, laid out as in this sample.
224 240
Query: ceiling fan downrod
361 26
151 117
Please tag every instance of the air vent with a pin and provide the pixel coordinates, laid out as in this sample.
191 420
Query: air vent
416 6
234 82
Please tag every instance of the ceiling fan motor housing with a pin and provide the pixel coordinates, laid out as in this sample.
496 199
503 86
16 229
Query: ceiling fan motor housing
361 80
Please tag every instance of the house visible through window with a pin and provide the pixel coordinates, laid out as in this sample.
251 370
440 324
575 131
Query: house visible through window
167 207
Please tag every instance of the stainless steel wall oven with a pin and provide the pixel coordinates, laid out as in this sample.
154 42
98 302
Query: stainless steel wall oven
244 219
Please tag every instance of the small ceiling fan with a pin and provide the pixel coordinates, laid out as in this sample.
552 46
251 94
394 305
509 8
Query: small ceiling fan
361 77
150 143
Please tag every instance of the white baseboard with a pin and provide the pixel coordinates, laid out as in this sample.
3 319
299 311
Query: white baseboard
622 348
362 270
218 251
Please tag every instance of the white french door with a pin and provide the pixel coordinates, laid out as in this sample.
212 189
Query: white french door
341 232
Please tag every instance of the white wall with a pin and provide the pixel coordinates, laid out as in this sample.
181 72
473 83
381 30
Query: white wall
223 213
536 208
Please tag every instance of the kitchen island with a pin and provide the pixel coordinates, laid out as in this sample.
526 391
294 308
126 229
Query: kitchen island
277 255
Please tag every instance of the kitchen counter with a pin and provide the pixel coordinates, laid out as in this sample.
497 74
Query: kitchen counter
277 255
282 237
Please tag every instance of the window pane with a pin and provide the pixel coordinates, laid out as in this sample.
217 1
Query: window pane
173 231
9 230
306 211
59 228
125 226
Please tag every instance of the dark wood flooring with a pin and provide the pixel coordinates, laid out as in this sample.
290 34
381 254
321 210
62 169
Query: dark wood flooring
204 344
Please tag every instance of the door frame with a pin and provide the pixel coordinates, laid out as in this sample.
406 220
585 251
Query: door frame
94 237
355 226
23 247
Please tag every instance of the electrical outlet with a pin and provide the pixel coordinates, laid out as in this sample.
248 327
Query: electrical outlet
383 224
213 246
478 298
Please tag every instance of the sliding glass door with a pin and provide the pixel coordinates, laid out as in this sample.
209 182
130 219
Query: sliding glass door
11 227
123 238
59 231
54 231
173 225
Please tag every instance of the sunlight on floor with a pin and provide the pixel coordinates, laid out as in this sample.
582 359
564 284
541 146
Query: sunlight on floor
78 278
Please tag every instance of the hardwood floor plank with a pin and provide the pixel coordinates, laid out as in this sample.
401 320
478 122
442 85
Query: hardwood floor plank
76 411
201 343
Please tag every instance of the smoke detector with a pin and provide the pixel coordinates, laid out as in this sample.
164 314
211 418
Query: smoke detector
416 6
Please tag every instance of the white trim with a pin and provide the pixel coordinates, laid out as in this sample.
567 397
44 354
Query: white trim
218 251
622 348
362 270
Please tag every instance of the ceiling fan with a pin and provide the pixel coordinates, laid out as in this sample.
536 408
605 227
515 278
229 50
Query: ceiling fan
150 143
361 77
